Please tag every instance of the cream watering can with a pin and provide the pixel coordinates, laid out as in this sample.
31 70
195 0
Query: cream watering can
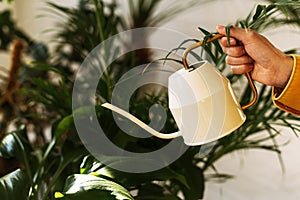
201 101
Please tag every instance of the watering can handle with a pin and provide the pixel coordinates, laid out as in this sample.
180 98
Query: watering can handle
215 37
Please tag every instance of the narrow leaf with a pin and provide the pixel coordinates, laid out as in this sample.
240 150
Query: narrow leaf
227 28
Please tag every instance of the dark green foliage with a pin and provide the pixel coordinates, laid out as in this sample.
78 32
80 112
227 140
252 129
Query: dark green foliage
86 27
14 185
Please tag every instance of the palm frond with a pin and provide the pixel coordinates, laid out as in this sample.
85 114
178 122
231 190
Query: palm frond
145 13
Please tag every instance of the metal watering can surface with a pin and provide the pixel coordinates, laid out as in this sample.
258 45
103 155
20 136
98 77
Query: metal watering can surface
202 102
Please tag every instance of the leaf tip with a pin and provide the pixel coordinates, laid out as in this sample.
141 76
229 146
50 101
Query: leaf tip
58 195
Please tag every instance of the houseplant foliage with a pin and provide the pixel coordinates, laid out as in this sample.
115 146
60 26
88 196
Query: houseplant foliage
61 168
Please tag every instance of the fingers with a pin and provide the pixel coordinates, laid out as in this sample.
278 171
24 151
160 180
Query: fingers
233 51
221 29
235 32
237 56
242 69
224 42
244 59
240 65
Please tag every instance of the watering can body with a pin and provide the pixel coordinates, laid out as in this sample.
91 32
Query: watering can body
203 104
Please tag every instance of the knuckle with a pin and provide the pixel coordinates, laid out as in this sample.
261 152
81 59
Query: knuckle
227 59
251 34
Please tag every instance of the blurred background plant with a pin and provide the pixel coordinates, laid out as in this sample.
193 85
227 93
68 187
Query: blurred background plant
40 104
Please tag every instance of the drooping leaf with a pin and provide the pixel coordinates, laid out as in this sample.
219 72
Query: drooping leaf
259 12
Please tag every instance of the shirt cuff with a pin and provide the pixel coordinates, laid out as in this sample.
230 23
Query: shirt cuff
288 99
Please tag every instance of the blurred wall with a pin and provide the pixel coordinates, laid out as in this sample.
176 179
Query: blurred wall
33 17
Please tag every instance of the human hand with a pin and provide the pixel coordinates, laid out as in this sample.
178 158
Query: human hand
252 52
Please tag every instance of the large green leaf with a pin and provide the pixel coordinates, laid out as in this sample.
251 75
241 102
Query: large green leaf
14 144
9 148
85 186
14 186
90 165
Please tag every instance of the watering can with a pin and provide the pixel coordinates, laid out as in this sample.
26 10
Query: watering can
202 102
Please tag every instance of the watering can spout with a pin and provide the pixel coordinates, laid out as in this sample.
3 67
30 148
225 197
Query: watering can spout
140 123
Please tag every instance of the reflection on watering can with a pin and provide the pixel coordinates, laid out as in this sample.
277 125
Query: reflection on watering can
201 101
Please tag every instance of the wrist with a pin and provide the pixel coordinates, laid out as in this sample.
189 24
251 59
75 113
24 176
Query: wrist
284 72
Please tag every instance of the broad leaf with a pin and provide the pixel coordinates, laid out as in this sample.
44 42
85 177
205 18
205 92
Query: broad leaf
14 144
90 165
85 186
14 186
9 147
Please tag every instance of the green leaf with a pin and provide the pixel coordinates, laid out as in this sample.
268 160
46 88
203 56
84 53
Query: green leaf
243 24
46 68
10 144
9 148
67 158
132 179
16 145
227 28
196 182
84 186
90 165
53 96
152 191
64 125
259 12
14 186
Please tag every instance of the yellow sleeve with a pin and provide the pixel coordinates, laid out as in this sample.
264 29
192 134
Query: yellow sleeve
288 99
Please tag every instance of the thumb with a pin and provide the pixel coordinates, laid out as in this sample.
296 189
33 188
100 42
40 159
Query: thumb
235 32
221 29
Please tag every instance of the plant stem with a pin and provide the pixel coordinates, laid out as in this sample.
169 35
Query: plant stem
53 180
102 38
40 168
99 24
